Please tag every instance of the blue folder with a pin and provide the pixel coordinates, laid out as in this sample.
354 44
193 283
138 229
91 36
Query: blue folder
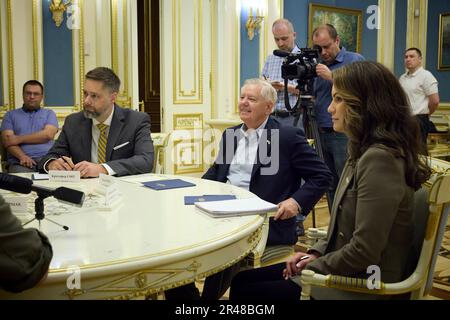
189 200
168 184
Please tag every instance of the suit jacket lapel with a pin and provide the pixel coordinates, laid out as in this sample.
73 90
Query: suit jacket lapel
86 139
344 182
117 123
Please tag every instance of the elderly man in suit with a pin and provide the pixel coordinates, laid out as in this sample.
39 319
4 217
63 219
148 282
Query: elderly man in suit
103 138
270 160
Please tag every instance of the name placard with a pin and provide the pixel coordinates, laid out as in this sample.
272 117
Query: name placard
112 195
106 180
19 205
64 176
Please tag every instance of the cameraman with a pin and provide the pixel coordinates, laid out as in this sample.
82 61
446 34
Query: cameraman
284 36
334 144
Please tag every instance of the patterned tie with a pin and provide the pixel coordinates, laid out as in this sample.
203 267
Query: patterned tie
102 140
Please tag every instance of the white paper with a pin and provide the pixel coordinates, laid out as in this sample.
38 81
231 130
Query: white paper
40 176
236 207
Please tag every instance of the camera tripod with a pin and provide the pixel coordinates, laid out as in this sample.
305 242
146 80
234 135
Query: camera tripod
39 212
305 106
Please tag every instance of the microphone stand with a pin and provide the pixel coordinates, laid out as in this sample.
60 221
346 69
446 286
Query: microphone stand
39 209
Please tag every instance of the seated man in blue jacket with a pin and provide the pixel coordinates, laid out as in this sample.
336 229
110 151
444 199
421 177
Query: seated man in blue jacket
269 160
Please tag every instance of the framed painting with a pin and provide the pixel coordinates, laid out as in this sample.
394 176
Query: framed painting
348 23
444 41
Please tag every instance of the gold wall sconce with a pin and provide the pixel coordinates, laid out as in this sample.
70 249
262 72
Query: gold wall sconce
253 23
57 7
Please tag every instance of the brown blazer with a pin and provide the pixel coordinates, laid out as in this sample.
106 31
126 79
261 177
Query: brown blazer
371 220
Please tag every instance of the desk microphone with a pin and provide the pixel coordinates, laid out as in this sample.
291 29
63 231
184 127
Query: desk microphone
24 185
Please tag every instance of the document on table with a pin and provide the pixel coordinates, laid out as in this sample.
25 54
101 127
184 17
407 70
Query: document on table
237 207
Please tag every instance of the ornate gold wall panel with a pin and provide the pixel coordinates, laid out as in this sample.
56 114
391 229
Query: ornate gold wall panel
187 55
12 96
35 40
188 144
119 53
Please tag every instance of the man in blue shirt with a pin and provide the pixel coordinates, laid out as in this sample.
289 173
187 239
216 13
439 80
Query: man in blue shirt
334 144
28 132
284 36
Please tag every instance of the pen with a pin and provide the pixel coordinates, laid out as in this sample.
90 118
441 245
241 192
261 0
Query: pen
302 258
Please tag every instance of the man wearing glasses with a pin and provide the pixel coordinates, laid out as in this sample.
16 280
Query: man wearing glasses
28 132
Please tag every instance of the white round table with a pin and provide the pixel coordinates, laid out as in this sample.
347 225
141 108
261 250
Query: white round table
149 243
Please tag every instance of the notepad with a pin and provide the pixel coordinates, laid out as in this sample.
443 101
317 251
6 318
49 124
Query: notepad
190 200
167 184
237 207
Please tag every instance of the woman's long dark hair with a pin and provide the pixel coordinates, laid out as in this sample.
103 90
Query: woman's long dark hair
378 113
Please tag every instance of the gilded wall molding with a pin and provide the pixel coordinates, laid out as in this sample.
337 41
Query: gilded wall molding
123 98
423 20
416 33
12 96
193 123
35 40
181 94
386 34
188 121
4 107
81 55
410 25
214 51
237 54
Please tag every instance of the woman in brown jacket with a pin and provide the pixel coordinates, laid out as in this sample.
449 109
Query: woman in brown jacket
371 219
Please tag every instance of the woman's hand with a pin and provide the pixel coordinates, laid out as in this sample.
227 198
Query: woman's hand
297 263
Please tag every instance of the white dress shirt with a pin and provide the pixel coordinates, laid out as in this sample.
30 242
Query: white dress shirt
418 86
241 166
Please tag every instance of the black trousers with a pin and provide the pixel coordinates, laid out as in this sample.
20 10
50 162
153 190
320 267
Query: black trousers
264 284
424 122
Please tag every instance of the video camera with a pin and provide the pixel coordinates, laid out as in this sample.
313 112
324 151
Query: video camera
300 65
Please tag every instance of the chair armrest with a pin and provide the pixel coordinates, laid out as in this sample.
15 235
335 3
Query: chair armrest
309 278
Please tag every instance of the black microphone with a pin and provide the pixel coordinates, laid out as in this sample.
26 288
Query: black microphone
24 185
15 183
281 53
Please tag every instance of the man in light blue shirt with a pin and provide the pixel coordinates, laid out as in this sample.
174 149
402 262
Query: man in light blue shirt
28 132
284 36
334 144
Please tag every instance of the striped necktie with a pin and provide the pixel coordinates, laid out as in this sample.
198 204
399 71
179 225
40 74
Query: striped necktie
102 140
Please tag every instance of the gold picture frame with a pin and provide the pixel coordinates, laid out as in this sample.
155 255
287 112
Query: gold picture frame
348 23
444 41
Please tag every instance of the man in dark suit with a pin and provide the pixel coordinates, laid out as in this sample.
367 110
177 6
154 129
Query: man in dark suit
269 160
103 138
